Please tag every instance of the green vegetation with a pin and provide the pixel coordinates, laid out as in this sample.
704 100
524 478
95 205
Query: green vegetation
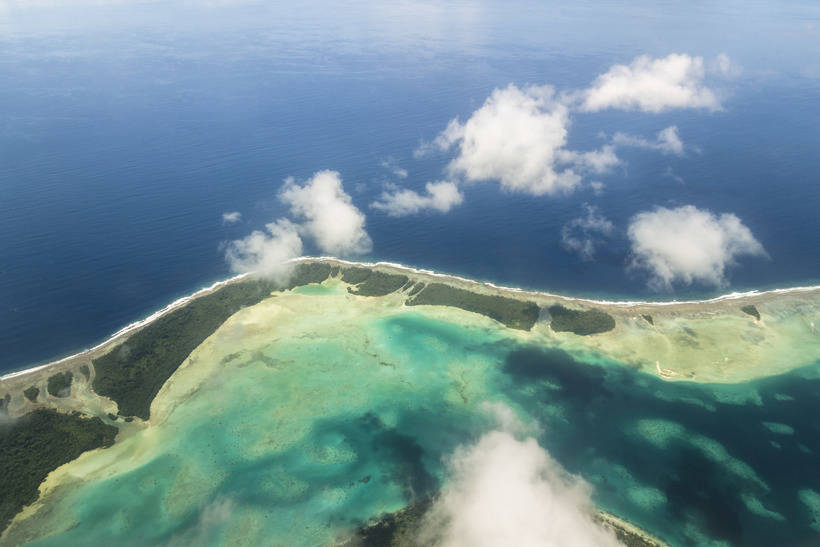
372 283
34 446
416 289
648 319
513 313
4 403
580 322
84 370
751 310
306 273
394 529
59 385
31 393
354 276
133 373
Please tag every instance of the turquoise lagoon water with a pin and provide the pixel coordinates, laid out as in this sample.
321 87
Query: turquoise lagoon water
304 438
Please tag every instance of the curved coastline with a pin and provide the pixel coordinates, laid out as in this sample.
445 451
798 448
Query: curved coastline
128 329
664 304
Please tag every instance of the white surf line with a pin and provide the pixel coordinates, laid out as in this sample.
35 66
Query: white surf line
179 302
627 303
185 299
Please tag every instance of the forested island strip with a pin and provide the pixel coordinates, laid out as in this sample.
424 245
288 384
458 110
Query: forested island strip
132 371
39 442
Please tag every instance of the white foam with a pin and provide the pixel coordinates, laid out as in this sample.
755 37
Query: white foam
625 303
135 325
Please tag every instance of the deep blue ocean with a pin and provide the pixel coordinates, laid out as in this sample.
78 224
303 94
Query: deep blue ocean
126 131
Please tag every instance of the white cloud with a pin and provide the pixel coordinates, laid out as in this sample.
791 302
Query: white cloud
653 85
581 235
505 491
505 419
232 217
518 137
593 161
266 253
687 244
329 217
669 173
391 165
513 138
440 196
667 141
725 66
328 213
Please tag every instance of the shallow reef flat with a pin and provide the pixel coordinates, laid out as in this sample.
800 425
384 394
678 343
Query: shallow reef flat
316 409
728 339
286 404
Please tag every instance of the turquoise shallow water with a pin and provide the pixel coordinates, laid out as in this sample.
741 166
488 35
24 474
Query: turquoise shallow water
300 439
692 462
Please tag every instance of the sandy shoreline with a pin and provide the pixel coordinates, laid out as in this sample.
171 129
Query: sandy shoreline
629 306
127 330
750 295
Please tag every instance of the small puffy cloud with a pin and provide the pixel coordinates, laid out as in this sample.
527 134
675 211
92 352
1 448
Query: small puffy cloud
266 253
440 196
725 66
593 161
583 234
391 165
667 141
504 418
652 85
669 173
505 491
232 217
686 245
513 138
328 214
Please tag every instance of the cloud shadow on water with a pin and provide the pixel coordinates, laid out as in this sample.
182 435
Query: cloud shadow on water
687 461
